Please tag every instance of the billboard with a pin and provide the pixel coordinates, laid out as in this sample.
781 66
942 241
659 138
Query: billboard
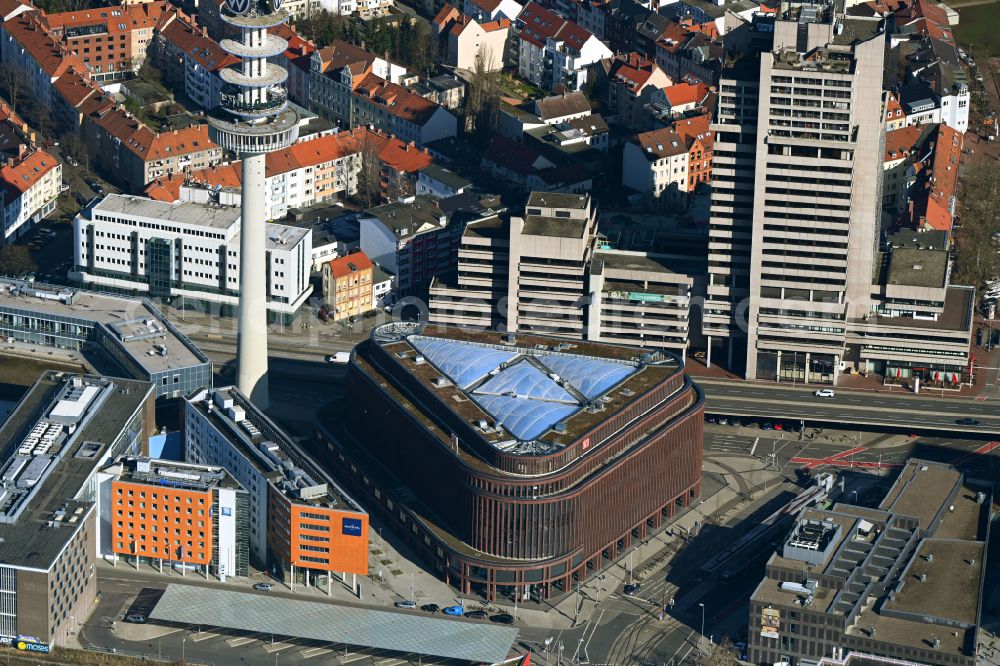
770 620
351 527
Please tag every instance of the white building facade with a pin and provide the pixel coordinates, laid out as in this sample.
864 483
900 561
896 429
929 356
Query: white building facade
188 250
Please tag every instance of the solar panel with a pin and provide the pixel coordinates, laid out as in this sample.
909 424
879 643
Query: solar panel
591 377
525 418
463 363
525 380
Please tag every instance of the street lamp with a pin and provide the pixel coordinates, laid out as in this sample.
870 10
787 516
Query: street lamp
702 622
183 647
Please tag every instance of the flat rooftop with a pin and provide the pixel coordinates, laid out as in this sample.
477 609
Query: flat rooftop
526 395
950 581
33 535
136 324
917 267
559 200
556 227
269 449
188 476
934 594
193 214
957 315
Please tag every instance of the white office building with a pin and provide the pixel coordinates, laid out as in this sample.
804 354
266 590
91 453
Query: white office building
185 250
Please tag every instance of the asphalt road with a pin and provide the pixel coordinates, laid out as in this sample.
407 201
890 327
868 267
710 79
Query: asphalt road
902 410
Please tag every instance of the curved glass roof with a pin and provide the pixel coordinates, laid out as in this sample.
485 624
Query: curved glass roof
525 380
525 418
591 377
463 363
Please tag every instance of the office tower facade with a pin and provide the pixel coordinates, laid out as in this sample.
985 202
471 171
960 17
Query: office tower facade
253 119
795 218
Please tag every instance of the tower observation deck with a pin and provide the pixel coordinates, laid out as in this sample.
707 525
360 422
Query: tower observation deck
253 118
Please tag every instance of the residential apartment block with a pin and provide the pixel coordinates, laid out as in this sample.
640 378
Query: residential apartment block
302 526
336 70
671 162
553 51
60 434
348 286
193 61
310 172
471 44
113 40
29 185
189 250
626 84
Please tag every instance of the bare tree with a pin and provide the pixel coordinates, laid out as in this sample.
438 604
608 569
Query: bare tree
12 84
482 101
717 654
15 260
370 173
977 259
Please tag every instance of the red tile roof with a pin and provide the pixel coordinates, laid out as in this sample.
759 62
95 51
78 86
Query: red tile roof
685 93
391 152
660 143
19 177
538 24
695 129
900 142
508 154
396 99
352 263
28 30
193 41
444 17
943 185
74 87
632 69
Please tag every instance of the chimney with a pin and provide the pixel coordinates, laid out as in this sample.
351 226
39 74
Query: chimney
204 31
10 161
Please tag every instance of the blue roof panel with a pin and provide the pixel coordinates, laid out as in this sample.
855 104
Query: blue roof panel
525 380
524 418
591 377
465 364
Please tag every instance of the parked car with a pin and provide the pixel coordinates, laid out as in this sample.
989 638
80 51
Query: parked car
502 618
767 425
453 610
824 393
430 608
339 357
476 615
967 421
405 603
723 420
262 587
631 589
135 618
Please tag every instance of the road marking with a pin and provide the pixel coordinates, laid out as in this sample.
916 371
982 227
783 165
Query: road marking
203 636
809 463
966 457
309 653
240 640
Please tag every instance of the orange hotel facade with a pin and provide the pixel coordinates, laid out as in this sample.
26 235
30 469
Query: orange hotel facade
302 526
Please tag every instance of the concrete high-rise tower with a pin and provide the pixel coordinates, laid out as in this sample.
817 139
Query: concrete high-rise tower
796 193
253 119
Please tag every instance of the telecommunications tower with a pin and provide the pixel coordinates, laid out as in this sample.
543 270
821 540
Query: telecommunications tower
253 119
